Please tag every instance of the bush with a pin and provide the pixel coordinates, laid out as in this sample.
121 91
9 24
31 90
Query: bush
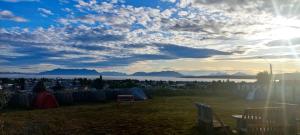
4 99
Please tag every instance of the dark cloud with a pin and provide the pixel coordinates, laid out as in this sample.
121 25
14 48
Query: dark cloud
89 35
96 38
36 53
190 27
91 47
175 51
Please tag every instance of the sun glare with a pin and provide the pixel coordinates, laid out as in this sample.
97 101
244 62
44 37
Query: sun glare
284 29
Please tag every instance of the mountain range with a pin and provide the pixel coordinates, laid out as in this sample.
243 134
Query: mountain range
60 71
162 74
94 72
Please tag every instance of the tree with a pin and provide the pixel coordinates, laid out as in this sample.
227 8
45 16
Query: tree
58 86
263 78
98 83
22 83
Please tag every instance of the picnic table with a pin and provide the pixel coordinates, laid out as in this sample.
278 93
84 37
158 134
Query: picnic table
125 99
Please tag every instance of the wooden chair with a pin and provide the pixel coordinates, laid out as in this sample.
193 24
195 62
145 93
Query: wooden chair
263 121
209 122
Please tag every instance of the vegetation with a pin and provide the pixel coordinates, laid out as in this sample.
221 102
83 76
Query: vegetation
58 86
160 115
263 78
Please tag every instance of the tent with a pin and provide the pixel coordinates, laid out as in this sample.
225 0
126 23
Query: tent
138 93
251 95
45 100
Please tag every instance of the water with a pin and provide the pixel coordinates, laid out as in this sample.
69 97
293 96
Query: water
141 78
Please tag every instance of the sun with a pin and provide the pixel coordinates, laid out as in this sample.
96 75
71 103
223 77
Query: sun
284 29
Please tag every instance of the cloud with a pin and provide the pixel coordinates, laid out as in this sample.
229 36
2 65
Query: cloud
67 47
107 34
8 15
45 12
175 51
287 42
261 57
171 1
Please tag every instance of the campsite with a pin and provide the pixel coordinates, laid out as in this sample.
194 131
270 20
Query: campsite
167 112
98 106
160 115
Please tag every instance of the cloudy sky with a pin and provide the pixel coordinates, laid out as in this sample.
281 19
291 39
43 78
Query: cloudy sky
190 36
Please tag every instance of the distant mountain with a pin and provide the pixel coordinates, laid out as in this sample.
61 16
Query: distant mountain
160 74
239 74
219 74
60 71
113 74
94 72
17 73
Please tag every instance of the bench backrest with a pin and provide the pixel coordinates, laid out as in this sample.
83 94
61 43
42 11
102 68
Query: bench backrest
205 113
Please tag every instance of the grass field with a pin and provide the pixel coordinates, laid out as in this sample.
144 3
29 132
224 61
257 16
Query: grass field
161 115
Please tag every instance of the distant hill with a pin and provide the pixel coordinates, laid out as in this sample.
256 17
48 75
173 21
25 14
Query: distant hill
239 74
17 73
160 74
218 74
60 71
113 74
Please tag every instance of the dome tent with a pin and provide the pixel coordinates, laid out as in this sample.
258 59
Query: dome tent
138 93
43 99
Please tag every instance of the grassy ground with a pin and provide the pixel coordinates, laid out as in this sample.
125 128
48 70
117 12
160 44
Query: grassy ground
161 115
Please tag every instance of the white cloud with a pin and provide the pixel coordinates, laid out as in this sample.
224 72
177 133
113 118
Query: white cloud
171 1
104 31
45 12
8 15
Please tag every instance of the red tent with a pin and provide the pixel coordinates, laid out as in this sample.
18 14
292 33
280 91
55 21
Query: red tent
45 100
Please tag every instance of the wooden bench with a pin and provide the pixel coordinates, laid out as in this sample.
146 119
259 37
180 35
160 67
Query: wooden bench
262 121
125 99
209 123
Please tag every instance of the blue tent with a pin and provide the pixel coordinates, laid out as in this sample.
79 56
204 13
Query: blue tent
138 94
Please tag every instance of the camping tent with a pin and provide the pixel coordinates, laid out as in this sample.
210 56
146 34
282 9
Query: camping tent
138 93
45 100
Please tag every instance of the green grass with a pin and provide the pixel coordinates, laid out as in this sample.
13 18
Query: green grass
161 115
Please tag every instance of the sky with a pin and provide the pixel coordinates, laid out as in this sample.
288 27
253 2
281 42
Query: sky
194 37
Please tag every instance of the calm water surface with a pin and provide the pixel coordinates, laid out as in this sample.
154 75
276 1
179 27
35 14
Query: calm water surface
141 78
